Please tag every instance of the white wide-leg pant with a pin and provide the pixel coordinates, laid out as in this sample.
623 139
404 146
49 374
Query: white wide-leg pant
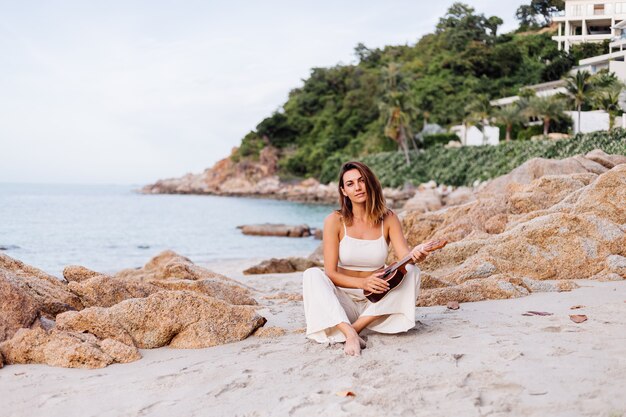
326 305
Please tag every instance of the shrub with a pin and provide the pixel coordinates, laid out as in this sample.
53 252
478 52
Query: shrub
463 166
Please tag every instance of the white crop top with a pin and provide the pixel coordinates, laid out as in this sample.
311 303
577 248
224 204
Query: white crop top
362 254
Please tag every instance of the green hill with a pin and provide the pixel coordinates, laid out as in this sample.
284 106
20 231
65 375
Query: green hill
341 112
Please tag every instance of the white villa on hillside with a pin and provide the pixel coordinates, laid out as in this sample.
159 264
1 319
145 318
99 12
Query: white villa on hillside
588 21
614 60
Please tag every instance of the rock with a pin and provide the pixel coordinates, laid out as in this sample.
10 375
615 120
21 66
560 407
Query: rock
544 192
77 273
27 295
318 234
281 266
495 287
540 167
317 255
180 319
538 237
606 160
269 229
1 361
105 291
616 264
65 349
460 195
605 197
270 332
229 292
18 308
425 200
170 271
455 223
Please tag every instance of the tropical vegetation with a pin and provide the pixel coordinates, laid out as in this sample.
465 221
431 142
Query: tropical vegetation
372 109
464 166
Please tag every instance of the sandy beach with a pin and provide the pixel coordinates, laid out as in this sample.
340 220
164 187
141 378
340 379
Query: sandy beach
484 359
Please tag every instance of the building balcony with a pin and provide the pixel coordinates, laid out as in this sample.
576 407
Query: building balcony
582 38
593 17
618 41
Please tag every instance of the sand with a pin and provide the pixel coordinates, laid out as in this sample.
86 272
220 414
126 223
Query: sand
484 359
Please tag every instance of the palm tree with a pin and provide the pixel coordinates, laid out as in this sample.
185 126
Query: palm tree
608 101
509 115
580 89
478 113
397 108
546 109
609 89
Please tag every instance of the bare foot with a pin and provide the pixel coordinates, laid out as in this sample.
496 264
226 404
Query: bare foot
353 345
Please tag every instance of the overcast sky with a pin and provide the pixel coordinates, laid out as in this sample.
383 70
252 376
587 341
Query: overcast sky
127 92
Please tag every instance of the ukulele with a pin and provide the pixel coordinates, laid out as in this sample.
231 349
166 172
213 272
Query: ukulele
394 273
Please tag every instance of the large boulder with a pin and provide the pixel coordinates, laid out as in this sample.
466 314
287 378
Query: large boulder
65 349
428 199
106 291
171 271
180 319
540 167
544 192
29 295
570 227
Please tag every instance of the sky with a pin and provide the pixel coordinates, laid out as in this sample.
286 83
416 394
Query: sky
128 92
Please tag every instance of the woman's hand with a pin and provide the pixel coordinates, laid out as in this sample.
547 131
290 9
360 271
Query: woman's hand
419 253
375 284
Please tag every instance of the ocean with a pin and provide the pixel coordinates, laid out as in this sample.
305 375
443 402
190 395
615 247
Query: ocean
110 227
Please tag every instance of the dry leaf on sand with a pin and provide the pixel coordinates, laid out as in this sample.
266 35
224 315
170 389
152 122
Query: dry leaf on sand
578 318
536 313
346 394
576 307
453 305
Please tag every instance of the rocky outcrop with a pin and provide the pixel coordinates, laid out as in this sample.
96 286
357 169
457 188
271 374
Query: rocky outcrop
270 229
106 291
66 349
29 295
282 266
258 178
540 167
180 319
170 301
171 271
536 236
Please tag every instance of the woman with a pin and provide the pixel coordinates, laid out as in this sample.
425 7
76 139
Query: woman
356 239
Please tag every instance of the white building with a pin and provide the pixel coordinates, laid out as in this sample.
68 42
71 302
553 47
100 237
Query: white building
588 21
614 60
541 90
473 136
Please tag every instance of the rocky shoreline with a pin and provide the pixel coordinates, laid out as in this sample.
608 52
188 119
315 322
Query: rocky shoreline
539 228
258 179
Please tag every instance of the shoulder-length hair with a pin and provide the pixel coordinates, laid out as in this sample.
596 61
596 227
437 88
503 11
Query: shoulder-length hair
375 207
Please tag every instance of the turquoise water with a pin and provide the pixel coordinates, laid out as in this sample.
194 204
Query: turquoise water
107 228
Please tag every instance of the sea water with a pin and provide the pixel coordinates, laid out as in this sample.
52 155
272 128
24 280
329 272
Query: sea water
110 227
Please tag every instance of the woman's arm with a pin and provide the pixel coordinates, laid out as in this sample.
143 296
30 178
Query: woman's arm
399 242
